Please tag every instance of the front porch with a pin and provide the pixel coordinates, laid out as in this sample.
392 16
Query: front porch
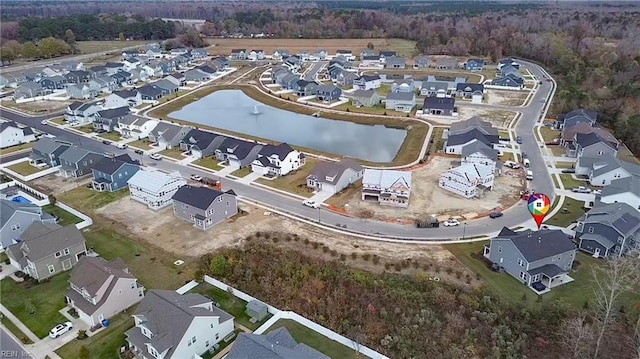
101 185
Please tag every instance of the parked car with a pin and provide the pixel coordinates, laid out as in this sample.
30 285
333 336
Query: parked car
569 170
195 177
596 191
311 204
155 156
109 154
106 142
121 145
44 122
581 189
60 329
495 214
140 152
519 140
524 155
451 222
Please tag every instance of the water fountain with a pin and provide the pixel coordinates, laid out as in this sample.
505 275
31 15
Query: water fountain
255 110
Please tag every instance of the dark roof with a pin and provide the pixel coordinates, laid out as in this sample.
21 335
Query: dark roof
550 270
7 124
199 138
474 133
591 115
387 53
479 146
466 87
199 197
240 148
110 165
150 90
442 103
277 344
591 138
541 244
368 78
75 105
126 93
207 69
281 150
114 112
113 65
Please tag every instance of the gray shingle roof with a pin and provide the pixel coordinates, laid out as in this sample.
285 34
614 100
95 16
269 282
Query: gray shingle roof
110 165
541 244
473 122
620 216
363 93
75 154
324 169
474 133
467 87
8 208
112 113
199 197
125 94
401 96
92 272
623 185
43 239
278 344
282 150
442 103
478 146
47 145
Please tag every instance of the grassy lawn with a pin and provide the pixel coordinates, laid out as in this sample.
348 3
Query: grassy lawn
571 210
141 144
507 156
343 197
375 110
85 128
173 153
58 120
384 90
503 134
66 218
556 184
233 306
315 340
565 164
208 162
569 182
15 331
36 305
111 136
295 183
90 47
24 168
557 151
436 142
104 345
87 199
549 134
242 172
12 149
626 155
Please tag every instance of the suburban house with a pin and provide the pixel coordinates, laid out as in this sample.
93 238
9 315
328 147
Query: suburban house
277 160
305 88
178 78
82 91
462 133
134 126
466 90
575 117
196 76
365 98
167 87
77 162
367 82
446 63
79 113
122 78
173 326
333 177
479 153
509 70
347 54
468 180
400 101
508 62
47 249
403 85
108 119
11 134
13 80
150 93
438 106
47 151
130 98
56 82
387 187
276 344
386 55
371 61
592 145
15 219
608 230
98 290
256 55
421 62
292 63
167 136
604 169
201 143
79 76
30 90
131 63
238 54
623 190
280 54
395 63
568 137
509 82
155 188
438 89
33 74
366 52
237 153
112 173
541 260
114 67
474 65
203 206
103 84
153 69
328 93
345 78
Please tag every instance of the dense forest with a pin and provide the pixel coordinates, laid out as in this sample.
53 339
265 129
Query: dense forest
411 317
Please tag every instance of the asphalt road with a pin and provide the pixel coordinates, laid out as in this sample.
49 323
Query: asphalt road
310 75
11 348
516 216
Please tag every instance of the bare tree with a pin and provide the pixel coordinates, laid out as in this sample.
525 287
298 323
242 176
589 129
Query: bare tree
577 335
617 276
636 337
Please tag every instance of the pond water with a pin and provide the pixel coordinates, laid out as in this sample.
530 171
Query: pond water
232 110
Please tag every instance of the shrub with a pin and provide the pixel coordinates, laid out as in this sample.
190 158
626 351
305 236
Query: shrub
325 249
387 265
354 255
343 257
334 253
275 239
306 241
366 256
258 234
315 245
267 235
376 259
82 334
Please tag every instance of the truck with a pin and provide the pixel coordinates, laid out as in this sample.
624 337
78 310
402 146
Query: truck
526 162
211 182
428 222
529 175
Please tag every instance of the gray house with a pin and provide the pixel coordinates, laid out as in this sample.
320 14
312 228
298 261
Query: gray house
365 98
466 90
421 62
540 260
446 63
47 249
167 136
166 86
257 310
328 93
56 82
112 174
195 75
237 153
77 162
203 206
403 85
608 230
201 143
434 89
395 63
345 78
509 81
575 117
333 177
400 101
107 120
47 151
15 217
592 145
81 91
305 88
30 90
277 344
439 106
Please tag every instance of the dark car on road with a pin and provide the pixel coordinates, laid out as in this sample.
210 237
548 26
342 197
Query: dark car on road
140 152
106 142
519 140
495 214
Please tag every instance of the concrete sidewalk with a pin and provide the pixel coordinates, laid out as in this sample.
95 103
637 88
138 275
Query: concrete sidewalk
19 324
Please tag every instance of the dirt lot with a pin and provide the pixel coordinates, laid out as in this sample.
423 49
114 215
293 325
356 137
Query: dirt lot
506 98
428 198
224 46
37 107
55 184
499 118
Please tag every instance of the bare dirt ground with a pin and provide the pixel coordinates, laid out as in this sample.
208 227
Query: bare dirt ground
499 118
506 98
37 107
427 198
55 184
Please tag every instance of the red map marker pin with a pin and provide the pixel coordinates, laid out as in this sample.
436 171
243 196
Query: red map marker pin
539 205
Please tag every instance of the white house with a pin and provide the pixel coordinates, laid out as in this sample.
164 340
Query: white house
479 153
155 188
400 101
367 82
467 180
131 63
277 160
604 169
99 290
173 326
117 99
133 126
11 134
333 177
387 187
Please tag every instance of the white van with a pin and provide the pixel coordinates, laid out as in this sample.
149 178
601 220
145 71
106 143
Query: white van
526 162
529 176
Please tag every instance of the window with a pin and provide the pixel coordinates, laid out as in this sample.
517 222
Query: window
206 344
523 275
227 203
499 249
66 251
211 325
15 227
51 268
193 339
520 262
84 163
217 336
220 199
590 229
133 285
119 175
58 254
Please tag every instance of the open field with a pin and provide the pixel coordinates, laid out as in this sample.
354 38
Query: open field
506 98
13 149
37 107
404 48
315 340
427 198
499 118
24 168
416 131
65 218
90 199
295 182
105 344
549 134
90 47
56 185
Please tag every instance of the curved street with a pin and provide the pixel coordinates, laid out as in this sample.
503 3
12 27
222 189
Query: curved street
517 216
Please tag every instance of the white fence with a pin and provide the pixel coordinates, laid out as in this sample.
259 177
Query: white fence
44 172
86 220
187 287
279 314
504 87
